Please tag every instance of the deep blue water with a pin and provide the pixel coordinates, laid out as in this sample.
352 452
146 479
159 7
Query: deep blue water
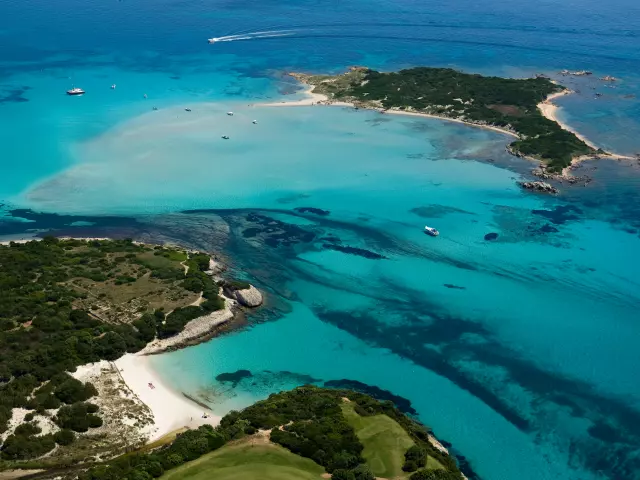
521 350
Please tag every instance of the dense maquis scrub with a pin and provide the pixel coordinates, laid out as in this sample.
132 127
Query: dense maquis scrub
502 102
65 303
308 421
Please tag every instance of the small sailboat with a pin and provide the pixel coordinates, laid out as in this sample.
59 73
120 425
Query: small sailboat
431 231
226 137
230 114
145 95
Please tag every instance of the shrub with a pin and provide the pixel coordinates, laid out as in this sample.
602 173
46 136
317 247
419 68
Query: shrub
362 472
414 458
64 437
72 391
342 474
18 447
78 417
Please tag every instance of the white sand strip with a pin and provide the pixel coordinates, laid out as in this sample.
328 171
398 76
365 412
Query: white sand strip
319 99
170 409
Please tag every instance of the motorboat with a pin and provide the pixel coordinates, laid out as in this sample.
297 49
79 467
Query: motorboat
431 231
255 122
226 137
113 87
230 114
187 109
75 91
155 108
213 40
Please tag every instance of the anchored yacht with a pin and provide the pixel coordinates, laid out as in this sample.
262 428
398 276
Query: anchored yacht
431 231
75 91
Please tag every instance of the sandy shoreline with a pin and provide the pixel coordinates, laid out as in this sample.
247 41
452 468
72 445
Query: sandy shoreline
170 409
320 99
550 110
547 108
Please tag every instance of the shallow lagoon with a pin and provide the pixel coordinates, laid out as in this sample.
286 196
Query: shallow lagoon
474 333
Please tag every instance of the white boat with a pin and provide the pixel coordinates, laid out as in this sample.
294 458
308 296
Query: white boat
213 40
187 109
113 87
431 231
230 114
75 91
255 122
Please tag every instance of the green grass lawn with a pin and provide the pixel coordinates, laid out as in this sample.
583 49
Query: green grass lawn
246 461
384 440
385 443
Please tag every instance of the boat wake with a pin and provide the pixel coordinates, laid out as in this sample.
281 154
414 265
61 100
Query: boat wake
252 36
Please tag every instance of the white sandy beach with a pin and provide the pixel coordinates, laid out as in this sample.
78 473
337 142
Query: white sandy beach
320 99
547 108
171 410
550 111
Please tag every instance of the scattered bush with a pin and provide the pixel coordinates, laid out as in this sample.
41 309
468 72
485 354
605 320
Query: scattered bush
64 437
78 417
414 458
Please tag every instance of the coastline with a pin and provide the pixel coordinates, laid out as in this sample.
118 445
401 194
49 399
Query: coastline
194 330
547 108
550 110
171 410
135 413
320 99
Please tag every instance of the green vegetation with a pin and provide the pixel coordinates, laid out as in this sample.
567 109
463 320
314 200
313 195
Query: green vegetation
502 102
65 303
385 442
248 461
314 425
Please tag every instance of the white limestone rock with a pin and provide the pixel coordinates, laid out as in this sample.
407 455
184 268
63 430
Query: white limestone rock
249 297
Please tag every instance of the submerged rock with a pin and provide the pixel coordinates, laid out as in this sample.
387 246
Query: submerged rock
543 187
249 297
315 211
491 236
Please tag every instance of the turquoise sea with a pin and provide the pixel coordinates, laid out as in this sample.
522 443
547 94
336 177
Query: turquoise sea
521 351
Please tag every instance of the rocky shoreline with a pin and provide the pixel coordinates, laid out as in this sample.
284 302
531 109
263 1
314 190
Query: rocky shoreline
541 187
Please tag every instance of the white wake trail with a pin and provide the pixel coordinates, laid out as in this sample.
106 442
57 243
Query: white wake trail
252 36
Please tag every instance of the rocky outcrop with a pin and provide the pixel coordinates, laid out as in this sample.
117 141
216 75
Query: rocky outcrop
215 267
542 187
249 297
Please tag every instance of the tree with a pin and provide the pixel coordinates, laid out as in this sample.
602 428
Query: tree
111 346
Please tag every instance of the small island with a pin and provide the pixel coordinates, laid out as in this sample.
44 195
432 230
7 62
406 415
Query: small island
509 105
